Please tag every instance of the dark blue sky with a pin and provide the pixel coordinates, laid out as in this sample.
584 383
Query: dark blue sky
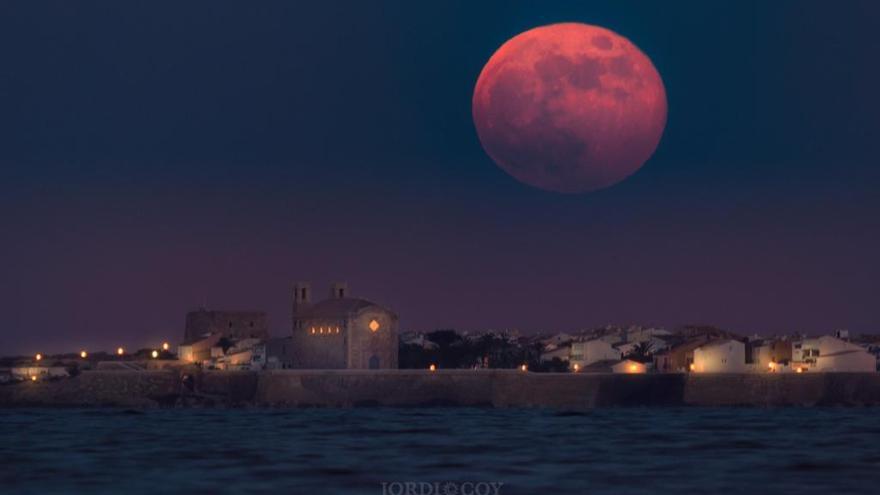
160 155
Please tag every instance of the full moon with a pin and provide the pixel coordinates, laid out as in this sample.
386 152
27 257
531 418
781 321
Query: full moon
569 107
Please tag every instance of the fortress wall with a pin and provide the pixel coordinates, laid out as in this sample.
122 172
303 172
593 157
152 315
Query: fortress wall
415 388
96 388
784 389
390 388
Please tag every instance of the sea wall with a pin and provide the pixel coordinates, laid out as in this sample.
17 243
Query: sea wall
414 388
96 388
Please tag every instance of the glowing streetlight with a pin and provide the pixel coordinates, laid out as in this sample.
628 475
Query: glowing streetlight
800 370
165 346
33 378
576 367
433 367
524 367
83 354
693 367
38 357
120 351
155 354
633 368
772 366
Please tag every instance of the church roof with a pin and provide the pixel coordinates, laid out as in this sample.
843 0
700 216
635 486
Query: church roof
336 308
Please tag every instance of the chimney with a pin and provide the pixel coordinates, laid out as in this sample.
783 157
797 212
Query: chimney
339 290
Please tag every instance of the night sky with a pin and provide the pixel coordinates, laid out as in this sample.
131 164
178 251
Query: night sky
159 156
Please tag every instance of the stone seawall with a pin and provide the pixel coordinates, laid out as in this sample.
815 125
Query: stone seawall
96 388
414 388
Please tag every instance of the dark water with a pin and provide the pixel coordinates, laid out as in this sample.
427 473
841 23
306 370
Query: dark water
608 451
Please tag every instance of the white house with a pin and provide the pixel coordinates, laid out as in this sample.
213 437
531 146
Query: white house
586 353
199 350
246 354
720 356
831 354
772 355
26 372
562 353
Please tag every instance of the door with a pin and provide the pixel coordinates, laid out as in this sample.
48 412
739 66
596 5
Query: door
374 362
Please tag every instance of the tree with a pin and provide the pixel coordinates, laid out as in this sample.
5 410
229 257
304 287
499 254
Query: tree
641 352
225 344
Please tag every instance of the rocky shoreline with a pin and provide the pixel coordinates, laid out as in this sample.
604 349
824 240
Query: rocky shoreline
421 388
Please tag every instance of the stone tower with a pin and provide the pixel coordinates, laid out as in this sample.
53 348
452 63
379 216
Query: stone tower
302 300
339 290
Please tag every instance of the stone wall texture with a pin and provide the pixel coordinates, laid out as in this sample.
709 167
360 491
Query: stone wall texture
489 388
230 324
97 388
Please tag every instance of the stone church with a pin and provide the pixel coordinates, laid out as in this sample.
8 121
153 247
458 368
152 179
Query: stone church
342 332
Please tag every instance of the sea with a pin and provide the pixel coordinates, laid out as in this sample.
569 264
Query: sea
440 451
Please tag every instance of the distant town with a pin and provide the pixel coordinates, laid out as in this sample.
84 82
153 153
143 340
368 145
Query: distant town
345 332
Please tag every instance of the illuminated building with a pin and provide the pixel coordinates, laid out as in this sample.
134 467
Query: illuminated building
342 332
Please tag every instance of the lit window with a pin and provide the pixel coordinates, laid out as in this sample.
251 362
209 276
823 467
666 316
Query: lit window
313 330
374 325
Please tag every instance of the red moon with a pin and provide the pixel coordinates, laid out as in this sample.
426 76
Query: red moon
569 107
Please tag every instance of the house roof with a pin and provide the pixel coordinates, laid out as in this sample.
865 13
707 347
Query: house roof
337 308
717 343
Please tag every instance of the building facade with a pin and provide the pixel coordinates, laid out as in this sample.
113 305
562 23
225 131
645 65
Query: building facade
721 356
584 354
233 325
341 332
830 354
